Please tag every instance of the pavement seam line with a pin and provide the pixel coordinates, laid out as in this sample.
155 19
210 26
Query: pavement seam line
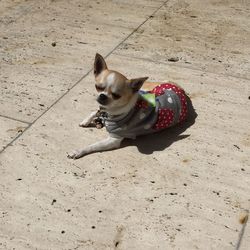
137 28
14 119
85 75
242 232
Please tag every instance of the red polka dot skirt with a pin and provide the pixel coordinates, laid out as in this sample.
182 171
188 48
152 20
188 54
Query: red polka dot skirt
166 116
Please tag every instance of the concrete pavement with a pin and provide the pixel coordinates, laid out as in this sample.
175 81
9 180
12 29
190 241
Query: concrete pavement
169 191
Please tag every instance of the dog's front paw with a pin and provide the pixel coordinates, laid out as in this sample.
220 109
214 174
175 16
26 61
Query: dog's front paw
84 123
75 154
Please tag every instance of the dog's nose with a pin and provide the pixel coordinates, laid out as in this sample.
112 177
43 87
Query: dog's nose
102 99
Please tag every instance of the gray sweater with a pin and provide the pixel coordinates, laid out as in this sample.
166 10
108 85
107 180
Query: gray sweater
163 107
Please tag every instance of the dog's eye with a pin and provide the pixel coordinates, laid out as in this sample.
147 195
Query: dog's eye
99 88
115 96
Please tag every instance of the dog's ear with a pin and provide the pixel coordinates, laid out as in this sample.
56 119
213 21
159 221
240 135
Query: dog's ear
99 64
136 84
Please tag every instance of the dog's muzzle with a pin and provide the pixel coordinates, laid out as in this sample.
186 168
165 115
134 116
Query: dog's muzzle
102 99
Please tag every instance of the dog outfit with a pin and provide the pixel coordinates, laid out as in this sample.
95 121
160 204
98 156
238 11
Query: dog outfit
155 110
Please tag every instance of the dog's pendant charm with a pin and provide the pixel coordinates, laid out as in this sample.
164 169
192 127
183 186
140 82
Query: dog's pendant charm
99 120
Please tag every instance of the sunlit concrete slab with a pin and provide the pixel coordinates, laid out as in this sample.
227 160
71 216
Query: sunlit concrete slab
211 36
163 191
181 189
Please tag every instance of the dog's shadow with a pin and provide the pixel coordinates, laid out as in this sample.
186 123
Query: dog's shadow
147 144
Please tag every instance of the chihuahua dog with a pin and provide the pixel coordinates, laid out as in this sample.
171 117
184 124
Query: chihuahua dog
134 107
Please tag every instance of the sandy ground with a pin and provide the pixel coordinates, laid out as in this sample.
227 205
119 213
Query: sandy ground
174 190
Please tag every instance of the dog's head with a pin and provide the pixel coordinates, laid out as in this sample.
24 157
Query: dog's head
116 93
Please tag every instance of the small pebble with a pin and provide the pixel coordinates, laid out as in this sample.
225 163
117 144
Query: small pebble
173 59
236 146
54 200
53 44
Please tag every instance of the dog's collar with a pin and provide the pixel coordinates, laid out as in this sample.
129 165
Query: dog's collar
143 95
121 117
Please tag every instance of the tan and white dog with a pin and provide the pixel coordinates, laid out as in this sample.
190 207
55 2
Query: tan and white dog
121 99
